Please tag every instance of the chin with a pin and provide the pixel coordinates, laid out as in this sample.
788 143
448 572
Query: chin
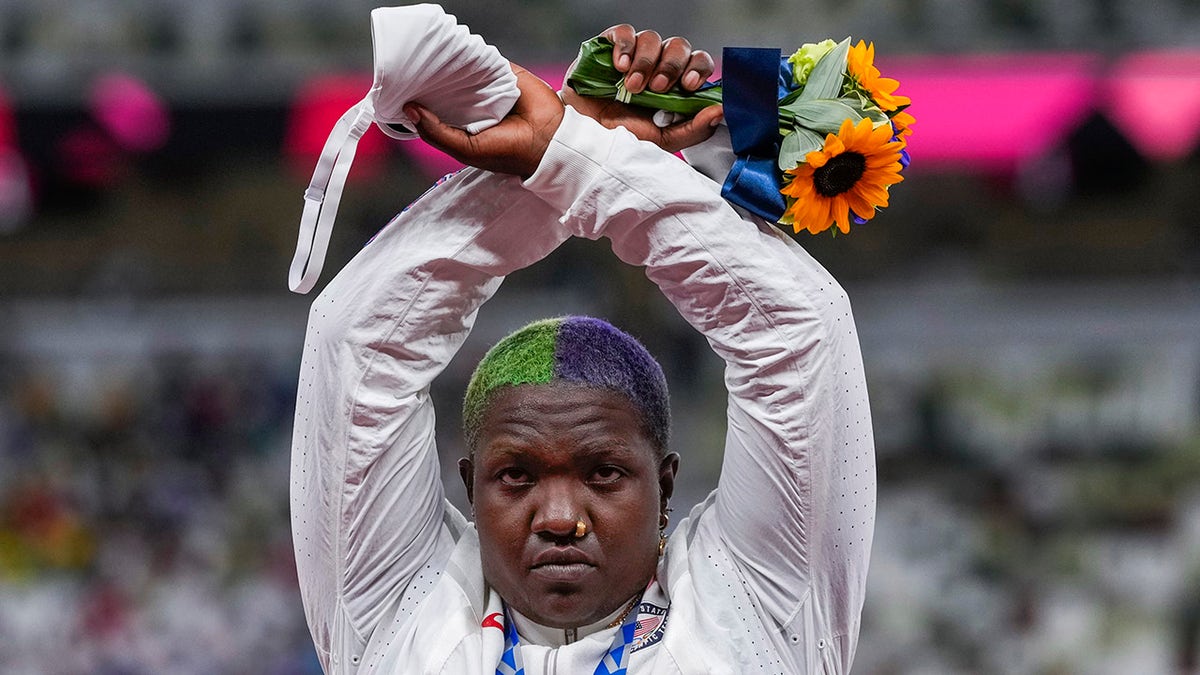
558 611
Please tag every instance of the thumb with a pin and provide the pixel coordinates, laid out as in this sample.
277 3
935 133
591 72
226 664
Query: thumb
695 130
450 140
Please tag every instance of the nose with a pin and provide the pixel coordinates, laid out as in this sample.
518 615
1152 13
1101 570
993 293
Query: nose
557 512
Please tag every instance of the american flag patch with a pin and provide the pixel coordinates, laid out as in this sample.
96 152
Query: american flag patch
650 626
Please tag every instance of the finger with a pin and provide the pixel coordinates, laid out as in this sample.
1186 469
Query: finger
671 64
646 53
690 132
624 39
700 67
450 140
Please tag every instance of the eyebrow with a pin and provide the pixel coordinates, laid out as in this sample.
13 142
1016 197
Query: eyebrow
605 447
608 447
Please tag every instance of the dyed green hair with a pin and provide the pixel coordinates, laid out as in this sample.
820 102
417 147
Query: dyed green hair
575 349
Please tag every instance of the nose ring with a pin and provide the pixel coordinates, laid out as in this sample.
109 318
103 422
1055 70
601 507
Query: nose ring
580 529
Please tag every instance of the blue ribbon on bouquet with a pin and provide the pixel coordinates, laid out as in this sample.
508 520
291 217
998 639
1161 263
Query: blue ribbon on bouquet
753 80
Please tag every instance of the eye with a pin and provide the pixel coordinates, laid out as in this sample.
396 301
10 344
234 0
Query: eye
514 476
607 474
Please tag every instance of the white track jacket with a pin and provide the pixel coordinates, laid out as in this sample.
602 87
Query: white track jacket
766 576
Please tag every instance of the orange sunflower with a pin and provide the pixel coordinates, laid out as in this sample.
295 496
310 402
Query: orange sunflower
850 175
860 64
902 121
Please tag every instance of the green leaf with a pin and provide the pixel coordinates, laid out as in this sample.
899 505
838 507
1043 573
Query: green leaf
792 97
797 145
867 108
593 74
677 100
825 81
822 116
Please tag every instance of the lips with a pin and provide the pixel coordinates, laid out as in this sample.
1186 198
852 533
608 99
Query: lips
562 555
562 564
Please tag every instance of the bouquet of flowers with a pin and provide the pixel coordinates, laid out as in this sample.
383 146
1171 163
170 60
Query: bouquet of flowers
820 135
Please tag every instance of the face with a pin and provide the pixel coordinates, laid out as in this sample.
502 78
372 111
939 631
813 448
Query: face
548 456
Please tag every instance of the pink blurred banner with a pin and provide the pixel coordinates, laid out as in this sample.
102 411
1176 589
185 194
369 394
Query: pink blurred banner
994 112
1154 99
317 107
133 115
16 187
983 112
8 122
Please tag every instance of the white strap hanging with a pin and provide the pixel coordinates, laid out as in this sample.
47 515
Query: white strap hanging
323 195
421 54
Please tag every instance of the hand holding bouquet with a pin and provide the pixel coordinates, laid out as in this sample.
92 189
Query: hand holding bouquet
820 135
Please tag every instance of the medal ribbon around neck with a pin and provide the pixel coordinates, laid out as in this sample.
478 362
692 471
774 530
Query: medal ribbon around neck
615 661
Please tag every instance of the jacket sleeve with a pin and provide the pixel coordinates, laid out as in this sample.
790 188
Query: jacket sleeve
366 494
795 500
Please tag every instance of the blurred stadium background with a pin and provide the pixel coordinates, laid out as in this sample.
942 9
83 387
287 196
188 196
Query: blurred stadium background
1028 308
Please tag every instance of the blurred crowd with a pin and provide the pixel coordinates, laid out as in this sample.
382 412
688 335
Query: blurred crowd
1039 505
143 526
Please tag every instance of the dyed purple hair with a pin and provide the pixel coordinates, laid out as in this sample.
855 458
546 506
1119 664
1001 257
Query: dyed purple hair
576 349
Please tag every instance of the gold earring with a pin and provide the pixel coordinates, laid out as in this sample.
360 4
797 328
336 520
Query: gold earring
663 521
580 529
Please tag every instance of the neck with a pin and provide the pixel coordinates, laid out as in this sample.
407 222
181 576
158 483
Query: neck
535 633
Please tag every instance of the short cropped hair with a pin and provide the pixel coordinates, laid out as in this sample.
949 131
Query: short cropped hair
573 349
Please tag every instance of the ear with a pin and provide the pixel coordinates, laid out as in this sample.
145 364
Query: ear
466 469
667 468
